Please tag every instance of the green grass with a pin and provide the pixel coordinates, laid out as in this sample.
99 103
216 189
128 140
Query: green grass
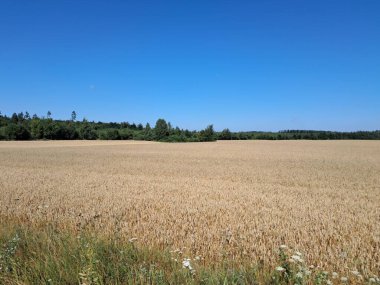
47 254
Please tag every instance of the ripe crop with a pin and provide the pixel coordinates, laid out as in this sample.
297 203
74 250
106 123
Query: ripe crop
230 200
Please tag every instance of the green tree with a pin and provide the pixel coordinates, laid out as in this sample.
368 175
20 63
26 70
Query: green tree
207 134
14 118
2 133
225 135
126 134
161 130
73 116
16 132
109 134
36 129
49 129
86 131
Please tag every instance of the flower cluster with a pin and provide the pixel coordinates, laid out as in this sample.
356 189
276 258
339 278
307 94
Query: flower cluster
7 254
294 270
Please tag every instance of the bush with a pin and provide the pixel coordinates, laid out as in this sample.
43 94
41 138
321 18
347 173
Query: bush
16 132
87 133
2 133
125 134
109 134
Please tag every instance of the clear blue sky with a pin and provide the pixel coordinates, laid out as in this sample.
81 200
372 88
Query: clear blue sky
245 65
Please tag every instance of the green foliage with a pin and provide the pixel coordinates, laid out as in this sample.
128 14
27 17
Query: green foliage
36 129
73 116
7 254
109 134
126 134
16 132
23 127
87 132
225 135
161 130
207 135
2 133
47 254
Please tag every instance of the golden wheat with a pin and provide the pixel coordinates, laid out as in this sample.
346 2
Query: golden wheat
237 200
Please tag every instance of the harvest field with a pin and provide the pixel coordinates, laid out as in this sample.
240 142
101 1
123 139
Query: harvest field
229 200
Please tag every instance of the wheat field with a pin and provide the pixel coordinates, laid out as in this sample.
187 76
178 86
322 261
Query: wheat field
234 200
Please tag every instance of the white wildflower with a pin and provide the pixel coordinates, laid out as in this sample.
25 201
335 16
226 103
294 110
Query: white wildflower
343 279
299 275
328 282
355 272
372 280
334 275
296 257
186 264
132 240
298 253
283 246
279 268
307 272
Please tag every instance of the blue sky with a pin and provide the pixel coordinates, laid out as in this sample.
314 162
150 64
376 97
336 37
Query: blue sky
245 65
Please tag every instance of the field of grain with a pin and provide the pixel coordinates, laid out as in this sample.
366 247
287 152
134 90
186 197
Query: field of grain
238 200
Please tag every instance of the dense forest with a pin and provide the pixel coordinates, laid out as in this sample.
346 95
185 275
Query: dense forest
22 126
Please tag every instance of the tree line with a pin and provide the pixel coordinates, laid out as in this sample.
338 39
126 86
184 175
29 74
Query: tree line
299 135
22 126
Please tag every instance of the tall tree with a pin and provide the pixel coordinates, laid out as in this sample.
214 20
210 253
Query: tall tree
161 130
73 116
225 135
207 134
36 128
14 118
